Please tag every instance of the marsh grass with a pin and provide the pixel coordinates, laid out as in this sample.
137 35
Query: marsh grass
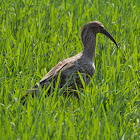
35 35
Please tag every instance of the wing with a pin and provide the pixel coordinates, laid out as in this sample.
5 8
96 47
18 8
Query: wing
66 64
53 73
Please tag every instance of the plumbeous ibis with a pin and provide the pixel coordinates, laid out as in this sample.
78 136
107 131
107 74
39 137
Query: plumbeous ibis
82 62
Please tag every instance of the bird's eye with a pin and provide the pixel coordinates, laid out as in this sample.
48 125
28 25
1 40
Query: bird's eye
98 25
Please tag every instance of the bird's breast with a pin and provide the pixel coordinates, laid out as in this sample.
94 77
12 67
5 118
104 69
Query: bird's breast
86 67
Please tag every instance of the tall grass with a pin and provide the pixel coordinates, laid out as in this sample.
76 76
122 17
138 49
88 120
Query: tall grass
35 35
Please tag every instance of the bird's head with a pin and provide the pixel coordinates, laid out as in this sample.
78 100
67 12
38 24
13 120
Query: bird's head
96 27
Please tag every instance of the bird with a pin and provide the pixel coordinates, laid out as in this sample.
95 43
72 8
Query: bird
68 69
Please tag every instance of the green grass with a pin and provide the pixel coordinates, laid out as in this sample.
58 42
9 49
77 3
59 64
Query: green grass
35 35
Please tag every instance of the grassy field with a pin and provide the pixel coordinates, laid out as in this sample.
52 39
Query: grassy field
35 35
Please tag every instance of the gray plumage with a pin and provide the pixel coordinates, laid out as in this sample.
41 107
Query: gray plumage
82 62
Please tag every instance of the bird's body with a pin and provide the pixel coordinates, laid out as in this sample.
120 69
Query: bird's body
82 62
70 66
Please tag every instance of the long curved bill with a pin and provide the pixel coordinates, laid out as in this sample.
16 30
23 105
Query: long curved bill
103 30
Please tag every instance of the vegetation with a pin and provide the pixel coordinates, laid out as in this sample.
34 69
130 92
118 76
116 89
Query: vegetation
35 35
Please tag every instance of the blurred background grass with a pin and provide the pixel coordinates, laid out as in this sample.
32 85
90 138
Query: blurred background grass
35 35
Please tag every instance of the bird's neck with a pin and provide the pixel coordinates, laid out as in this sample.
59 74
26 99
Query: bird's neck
89 42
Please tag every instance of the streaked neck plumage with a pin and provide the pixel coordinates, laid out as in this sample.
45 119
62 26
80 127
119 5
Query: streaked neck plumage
89 42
